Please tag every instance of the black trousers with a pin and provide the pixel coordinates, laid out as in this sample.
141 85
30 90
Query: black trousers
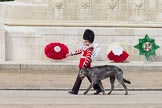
78 82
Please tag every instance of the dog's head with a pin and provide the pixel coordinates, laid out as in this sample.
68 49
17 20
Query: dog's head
83 72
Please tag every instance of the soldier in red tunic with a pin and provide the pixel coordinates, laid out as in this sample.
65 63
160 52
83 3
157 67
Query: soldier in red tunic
85 60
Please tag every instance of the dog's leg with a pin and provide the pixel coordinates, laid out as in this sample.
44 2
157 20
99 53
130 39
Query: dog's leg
90 86
120 79
112 80
101 86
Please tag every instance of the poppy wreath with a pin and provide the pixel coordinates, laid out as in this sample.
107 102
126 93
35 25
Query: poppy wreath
147 47
117 53
118 58
56 51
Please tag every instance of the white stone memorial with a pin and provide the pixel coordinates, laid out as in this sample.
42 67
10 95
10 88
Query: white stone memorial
31 24
2 43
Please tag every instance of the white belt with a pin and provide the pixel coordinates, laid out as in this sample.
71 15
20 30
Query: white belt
83 57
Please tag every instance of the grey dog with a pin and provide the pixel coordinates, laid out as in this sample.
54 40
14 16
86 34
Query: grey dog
98 73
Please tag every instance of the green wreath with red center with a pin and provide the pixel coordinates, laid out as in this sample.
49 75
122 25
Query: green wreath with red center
147 47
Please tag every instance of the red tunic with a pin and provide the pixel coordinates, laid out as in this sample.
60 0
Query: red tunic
85 59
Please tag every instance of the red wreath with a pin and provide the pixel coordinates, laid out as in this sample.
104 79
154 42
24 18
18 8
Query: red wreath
116 58
56 51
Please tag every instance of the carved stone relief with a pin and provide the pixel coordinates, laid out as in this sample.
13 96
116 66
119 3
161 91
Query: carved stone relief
85 9
103 10
56 9
70 9
160 4
124 9
112 9
151 9
138 9
112 3
100 10
159 11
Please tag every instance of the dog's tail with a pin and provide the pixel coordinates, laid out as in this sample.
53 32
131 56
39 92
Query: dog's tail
126 81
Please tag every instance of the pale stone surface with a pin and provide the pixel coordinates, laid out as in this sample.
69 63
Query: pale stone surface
25 12
61 75
76 12
34 79
32 24
31 41
2 43
23 44
33 1
61 99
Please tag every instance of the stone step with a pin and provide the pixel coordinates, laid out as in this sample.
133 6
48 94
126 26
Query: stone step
61 75
73 65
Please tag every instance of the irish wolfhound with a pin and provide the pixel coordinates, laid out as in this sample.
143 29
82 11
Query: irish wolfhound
98 73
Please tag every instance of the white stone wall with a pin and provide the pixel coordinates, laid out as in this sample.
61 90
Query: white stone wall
20 13
23 43
2 42
27 43
31 24
84 12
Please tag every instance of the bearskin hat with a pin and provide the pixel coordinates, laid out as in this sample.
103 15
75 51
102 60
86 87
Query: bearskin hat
89 35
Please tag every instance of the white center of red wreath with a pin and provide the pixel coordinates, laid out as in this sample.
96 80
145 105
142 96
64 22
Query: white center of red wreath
57 49
117 50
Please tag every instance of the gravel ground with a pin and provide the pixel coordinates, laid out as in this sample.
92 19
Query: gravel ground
27 79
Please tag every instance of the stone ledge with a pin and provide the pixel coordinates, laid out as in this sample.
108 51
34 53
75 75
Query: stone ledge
62 23
73 65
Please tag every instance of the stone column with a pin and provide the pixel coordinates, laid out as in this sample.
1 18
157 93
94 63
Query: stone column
2 43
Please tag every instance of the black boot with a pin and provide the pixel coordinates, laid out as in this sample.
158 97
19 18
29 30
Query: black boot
76 86
98 91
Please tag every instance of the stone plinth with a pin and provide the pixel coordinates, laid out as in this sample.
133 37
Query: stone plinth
27 43
32 24
2 42
23 43
16 12
85 12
